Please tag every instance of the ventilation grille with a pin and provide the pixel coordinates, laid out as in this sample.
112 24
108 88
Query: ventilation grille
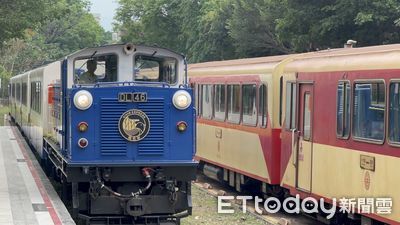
111 141
153 143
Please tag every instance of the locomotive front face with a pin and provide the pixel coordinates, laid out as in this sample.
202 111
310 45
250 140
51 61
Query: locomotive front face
131 141
125 131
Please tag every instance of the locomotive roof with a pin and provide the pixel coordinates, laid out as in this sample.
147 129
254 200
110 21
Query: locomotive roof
123 44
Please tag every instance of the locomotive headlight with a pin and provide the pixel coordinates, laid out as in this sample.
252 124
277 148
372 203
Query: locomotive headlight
181 100
83 100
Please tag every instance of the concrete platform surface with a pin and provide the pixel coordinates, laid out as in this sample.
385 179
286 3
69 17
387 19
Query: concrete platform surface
26 195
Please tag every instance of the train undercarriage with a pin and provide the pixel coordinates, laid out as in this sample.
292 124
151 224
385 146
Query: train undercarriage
122 194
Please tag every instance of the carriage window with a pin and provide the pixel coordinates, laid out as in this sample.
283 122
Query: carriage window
206 101
13 91
36 100
343 110
394 113
307 116
197 98
233 103
369 111
33 93
24 93
96 69
219 102
249 104
262 106
378 94
18 92
291 99
155 69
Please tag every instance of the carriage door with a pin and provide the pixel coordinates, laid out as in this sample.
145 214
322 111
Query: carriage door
304 147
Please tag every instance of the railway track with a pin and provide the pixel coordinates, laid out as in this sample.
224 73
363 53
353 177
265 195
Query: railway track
216 189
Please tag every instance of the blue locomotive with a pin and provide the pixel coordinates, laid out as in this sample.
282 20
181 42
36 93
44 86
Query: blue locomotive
116 126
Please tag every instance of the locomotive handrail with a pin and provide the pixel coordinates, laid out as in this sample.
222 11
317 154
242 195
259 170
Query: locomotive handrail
123 83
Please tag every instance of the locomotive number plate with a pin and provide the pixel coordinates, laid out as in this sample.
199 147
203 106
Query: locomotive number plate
132 97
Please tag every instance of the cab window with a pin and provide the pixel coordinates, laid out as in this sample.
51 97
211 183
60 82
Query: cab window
155 69
95 69
369 111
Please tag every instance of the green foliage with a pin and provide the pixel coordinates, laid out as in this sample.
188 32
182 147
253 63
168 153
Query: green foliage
58 28
252 26
70 28
314 24
18 15
36 31
197 28
370 22
149 22
223 29
207 34
5 78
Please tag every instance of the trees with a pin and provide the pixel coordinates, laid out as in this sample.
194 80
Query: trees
313 24
370 22
206 35
61 28
149 22
252 27
222 29
18 15
196 27
37 31
203 30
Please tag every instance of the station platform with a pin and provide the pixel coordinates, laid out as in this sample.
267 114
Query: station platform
26 194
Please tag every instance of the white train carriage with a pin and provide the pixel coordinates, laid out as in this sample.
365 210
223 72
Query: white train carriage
30 102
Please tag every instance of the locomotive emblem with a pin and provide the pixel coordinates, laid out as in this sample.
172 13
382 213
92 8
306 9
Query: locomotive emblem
134 125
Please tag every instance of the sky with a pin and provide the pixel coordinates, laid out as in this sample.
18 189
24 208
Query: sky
106 9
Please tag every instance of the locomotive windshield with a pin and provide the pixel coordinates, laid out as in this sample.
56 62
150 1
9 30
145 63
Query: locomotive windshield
155 69
95 69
